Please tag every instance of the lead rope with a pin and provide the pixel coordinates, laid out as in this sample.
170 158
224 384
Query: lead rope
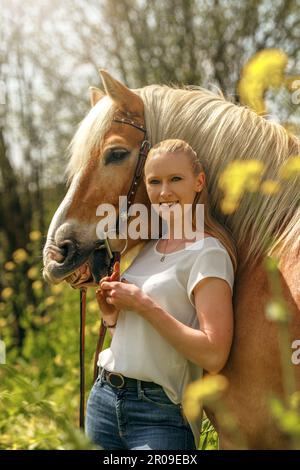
82 370
101 336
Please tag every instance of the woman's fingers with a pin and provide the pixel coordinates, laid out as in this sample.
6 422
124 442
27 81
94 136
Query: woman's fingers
106 285
105 306
100 299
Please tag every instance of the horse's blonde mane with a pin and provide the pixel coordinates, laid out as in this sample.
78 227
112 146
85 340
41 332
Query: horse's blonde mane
220 131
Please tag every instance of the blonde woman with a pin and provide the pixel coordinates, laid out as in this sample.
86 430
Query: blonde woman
170 316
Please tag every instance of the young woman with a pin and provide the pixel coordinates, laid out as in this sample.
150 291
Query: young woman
170 316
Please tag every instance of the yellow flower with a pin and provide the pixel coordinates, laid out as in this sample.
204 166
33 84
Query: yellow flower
7 293
291 168
228 207
95 328
264 70
294 400
37 285
35 235
57 289
33 272
276 311
270 187
10 266
58 360
40 321
238 177
49 301
8 277
3 322
20 256
206 390
93 306
30 308
271 264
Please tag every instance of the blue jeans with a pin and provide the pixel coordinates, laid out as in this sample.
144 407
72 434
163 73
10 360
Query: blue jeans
136 418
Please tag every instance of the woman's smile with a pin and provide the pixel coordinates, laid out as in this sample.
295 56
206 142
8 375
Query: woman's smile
168 205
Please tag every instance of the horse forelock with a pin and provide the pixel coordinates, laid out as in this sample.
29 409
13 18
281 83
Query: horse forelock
89 135
220 132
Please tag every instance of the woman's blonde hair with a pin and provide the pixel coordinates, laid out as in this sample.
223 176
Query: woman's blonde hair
211 225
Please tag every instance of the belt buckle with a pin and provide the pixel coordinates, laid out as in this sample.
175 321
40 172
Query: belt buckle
115 374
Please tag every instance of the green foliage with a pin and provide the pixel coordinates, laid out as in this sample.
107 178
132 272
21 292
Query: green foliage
39 386
209 437
30 420
287 416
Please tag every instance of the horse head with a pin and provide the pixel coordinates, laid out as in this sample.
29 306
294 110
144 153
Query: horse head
104 153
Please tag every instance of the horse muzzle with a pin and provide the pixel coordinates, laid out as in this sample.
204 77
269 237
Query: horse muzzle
77 267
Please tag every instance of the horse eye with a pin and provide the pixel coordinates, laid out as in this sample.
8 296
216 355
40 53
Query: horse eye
116 156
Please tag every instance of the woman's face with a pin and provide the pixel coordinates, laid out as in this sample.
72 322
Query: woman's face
170 181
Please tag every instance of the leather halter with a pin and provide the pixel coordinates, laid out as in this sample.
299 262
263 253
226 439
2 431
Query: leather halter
143 152
115 256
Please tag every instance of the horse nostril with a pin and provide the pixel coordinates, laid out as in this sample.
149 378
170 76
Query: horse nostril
55 253
67 248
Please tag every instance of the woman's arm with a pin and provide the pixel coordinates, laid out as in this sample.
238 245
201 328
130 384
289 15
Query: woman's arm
208 347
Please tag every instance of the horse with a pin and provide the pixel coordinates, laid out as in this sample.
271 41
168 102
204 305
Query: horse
103 156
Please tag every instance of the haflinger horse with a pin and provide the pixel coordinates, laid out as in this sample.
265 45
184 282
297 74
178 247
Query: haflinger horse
103 156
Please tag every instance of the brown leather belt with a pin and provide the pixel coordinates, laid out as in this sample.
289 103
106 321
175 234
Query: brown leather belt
117 380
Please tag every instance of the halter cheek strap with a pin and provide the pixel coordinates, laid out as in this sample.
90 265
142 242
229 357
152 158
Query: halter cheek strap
143 152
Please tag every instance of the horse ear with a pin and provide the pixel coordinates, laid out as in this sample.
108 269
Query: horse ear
126 99
95 95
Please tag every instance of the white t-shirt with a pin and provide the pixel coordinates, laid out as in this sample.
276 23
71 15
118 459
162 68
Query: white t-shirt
137 350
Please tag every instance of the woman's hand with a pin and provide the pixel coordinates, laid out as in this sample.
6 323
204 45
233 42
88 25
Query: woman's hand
109 312
123 295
